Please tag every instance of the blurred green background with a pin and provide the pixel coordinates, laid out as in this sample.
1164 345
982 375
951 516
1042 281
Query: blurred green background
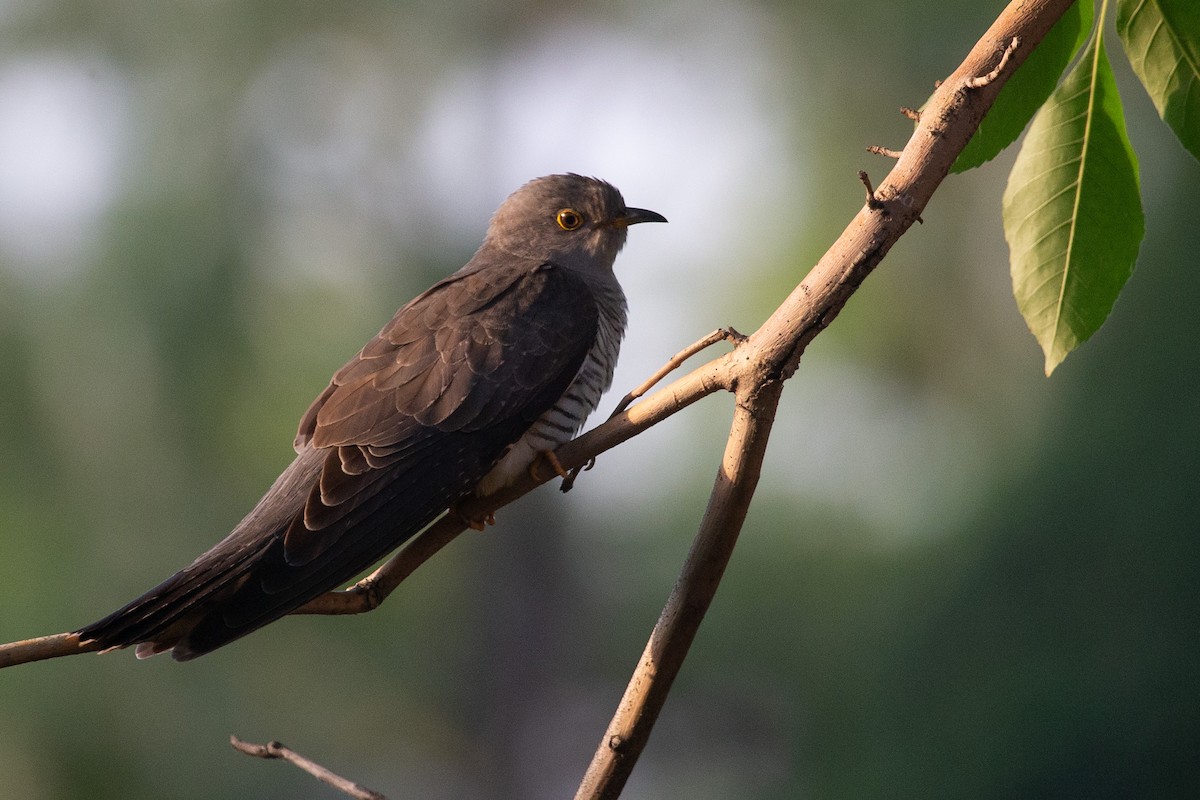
959 579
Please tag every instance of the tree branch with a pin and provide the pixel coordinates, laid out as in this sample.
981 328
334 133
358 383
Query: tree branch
623 425
736 480
370 592
755 371
759 366
43 647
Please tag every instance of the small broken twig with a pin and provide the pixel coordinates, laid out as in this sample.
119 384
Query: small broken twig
272 750
884 151
980 81
872 201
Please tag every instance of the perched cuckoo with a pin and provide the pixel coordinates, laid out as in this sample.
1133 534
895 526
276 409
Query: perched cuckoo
458 394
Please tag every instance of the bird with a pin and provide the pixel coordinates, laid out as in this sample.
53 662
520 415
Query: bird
457 395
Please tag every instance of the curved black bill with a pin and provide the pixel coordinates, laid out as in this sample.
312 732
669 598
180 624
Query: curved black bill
632 216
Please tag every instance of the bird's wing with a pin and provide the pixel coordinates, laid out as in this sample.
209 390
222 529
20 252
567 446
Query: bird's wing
405 429
456 377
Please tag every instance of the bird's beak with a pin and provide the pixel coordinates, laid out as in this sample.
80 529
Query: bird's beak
632 216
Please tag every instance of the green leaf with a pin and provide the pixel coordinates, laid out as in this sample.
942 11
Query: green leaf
1162 40
1072 211
1028 88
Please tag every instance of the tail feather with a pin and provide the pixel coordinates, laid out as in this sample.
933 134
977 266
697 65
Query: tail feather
250 578
162 616
156 615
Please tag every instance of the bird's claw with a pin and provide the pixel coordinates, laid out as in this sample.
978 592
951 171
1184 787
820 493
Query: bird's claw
551 459
479 522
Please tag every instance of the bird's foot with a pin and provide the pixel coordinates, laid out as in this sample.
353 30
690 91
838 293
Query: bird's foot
551 459
478 522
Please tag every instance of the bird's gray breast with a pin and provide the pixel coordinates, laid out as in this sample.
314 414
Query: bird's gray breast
564 419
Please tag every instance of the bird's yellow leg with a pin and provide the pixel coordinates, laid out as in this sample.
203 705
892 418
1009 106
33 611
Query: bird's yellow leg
551 459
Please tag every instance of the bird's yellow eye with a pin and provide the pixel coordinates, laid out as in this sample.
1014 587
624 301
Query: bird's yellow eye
569 219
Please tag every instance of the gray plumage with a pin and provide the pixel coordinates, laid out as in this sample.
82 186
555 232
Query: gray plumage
459 392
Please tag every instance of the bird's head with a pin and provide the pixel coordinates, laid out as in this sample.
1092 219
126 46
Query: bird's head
571 220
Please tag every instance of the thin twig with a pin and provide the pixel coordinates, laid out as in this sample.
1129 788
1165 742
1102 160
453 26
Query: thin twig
720 334
873 202
273 750
911 113
676 361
